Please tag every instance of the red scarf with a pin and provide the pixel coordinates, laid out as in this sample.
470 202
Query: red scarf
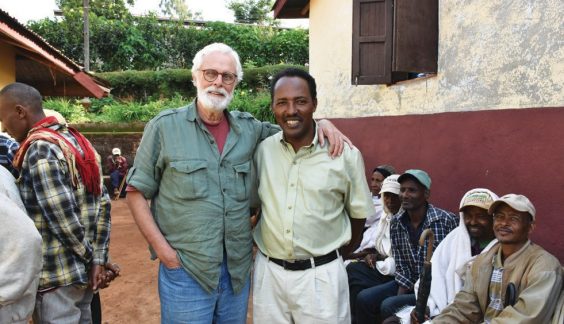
86 165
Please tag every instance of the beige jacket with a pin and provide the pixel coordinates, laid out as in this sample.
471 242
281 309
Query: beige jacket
537 276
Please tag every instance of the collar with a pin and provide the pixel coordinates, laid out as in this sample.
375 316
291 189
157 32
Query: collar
193 116
314 143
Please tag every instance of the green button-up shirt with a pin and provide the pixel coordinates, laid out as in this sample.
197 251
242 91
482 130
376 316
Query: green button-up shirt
199 198
307 198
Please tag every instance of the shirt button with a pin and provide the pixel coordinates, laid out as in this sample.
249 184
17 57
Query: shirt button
289 207
294 162
291 184
224 190
211 142
288 231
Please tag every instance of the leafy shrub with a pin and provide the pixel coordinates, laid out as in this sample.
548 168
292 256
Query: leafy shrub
255 102
71 109
153 85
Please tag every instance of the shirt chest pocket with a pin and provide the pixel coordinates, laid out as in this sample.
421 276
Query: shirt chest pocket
240 180
189 179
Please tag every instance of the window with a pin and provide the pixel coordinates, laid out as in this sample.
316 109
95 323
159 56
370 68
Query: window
393 40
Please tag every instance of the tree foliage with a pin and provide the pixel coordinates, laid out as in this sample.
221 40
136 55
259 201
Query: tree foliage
251 11
144 43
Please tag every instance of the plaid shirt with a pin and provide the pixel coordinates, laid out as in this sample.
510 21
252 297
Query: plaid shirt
74 225
8 148
409 259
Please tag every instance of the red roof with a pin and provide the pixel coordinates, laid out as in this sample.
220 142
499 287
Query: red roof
44 67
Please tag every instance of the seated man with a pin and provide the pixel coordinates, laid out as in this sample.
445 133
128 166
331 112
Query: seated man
117 167
473 236
378 266
418 214
516 281
371 226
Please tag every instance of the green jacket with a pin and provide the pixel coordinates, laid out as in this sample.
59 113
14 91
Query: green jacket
199 198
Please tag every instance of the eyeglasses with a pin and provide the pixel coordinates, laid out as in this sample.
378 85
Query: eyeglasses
226 77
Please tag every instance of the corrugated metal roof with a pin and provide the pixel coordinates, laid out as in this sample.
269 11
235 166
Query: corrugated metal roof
43 66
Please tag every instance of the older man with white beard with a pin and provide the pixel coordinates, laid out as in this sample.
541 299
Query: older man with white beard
194 163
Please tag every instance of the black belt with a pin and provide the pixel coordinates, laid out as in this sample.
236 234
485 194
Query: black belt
305 264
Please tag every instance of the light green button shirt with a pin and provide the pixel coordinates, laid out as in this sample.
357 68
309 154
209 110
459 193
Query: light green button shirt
307 198
199 198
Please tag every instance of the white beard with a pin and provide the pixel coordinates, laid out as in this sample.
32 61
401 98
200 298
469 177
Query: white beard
213 103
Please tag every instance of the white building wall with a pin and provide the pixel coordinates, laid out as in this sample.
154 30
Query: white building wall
492 55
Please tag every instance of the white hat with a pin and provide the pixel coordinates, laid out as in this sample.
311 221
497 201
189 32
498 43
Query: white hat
116 151
517 202
391 184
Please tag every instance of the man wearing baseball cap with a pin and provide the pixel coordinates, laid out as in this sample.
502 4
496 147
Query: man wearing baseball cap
117 167
474 235
516 281
406 227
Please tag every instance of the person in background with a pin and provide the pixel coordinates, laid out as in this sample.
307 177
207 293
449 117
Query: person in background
377 266
20 255
117 167
8 148
382 301
474 235
61 187
516 281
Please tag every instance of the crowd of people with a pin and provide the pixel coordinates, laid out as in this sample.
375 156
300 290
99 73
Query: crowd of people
328 249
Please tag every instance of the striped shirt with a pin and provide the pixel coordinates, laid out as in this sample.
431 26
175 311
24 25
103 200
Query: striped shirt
74 225
495 305
409 258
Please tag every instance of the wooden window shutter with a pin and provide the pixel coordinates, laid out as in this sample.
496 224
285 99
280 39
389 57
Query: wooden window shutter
372 41
416 32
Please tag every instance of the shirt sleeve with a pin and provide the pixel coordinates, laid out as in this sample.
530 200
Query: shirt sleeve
359 200
52 186
145 174
103 226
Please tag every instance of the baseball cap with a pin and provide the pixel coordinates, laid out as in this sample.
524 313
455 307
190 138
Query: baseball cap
391 184
421 176
517 202
478 198
116 151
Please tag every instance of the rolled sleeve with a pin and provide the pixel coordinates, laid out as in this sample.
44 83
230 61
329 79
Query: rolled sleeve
359 201
145 174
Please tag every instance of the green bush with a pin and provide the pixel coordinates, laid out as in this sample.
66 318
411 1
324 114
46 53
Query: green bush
145 86
71 109
255 102
150 85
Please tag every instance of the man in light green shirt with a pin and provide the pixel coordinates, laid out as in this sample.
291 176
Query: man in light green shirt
313 211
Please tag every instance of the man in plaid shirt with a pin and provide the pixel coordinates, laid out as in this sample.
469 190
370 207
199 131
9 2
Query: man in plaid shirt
61 187
406 227
8 148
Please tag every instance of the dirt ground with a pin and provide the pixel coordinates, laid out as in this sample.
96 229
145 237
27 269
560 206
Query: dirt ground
133 296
